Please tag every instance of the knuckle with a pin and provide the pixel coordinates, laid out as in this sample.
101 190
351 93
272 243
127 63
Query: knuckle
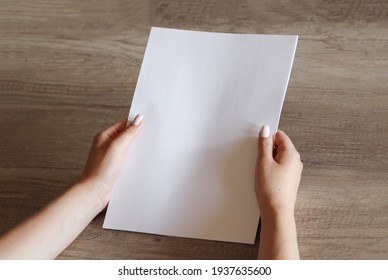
130 129
300 165
130 132
98 136
265 147
265 142
299 161
296 156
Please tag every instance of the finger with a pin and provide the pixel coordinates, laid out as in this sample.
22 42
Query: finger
283 145
111 132
282 141
128 134
265 144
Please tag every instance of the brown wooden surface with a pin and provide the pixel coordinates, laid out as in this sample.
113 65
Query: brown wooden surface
69 68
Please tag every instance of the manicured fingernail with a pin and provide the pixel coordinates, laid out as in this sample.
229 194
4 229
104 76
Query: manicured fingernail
264 132
138 120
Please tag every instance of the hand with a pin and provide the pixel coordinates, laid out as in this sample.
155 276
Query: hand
63 219
278 173
106 156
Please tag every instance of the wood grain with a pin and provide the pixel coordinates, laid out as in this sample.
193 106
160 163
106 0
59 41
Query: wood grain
69 68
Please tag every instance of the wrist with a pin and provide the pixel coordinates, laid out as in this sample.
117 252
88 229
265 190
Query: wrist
99 198
280 221
277 213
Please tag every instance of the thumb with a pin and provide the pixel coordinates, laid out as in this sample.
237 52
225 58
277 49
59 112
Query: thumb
129 133
265 144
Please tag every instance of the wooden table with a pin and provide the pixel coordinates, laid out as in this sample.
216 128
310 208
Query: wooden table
69 68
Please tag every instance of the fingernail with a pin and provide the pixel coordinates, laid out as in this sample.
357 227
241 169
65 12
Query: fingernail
264 132
138 120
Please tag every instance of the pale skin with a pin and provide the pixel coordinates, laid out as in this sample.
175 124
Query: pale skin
278 173
48 232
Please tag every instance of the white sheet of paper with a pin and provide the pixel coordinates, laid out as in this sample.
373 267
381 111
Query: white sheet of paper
204 97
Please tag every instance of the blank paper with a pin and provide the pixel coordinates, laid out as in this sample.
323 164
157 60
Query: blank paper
204 96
